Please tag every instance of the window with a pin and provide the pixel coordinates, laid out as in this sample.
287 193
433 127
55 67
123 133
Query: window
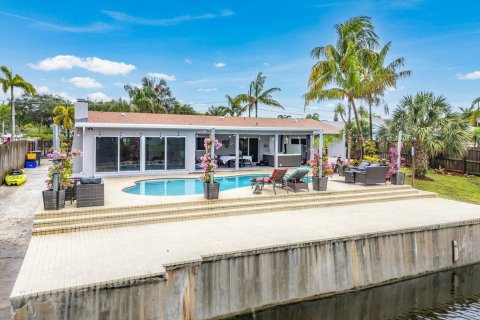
175 153
106 157
303 141
200 143
295 141
155 153
130 154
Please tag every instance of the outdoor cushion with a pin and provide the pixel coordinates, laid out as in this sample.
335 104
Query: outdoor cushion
363 165
264 180
297 171
375 165
90 180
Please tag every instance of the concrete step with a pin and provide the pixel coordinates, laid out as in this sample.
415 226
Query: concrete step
281 206
208 203
172 210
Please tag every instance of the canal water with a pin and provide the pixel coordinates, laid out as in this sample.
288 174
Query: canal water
453 294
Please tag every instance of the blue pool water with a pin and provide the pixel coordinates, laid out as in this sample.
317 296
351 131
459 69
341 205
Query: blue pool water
182 187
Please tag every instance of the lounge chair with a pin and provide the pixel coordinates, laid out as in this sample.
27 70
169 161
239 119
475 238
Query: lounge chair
90 192
276 178
294 180
349 172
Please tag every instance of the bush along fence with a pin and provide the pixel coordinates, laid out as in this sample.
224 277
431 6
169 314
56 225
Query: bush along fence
12 155
469 164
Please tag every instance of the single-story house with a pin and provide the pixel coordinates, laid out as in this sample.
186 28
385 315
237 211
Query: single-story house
118 143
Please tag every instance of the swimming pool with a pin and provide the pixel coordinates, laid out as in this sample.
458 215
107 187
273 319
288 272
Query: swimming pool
183 187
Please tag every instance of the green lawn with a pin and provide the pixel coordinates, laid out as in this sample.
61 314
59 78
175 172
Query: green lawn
459 188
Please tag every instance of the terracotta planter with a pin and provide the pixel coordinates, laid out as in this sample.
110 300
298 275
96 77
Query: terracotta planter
398 178
53 200
211 190
319 183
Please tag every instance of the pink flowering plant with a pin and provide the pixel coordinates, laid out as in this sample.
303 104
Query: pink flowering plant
208 164
315 166
393 162
62 164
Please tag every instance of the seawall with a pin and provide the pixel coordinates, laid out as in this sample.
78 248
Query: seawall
226 284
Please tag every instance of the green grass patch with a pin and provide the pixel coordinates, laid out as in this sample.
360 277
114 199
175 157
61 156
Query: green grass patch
460 188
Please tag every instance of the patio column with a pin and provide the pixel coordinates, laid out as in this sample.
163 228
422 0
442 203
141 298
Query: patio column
237 151
320 152
310 147
275 152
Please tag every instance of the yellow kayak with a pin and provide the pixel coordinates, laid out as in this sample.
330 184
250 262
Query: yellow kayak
16 177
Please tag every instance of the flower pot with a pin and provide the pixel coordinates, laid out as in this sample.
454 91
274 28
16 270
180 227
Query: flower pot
398 178
341 169
53 200
211 190
319 183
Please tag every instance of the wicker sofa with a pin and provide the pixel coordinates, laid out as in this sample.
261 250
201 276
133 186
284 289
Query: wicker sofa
371 175
90 194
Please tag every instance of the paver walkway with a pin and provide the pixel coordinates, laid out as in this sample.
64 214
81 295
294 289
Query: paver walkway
17 206
101 256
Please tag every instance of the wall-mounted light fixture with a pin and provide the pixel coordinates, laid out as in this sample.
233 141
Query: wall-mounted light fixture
99 134
121 135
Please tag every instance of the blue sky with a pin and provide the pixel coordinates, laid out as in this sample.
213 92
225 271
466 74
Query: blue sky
206 49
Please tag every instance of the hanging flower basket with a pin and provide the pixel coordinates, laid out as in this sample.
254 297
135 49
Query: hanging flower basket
211 190
53 200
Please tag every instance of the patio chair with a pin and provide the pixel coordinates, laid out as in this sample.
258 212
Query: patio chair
275 179
371 175
90 192
294 180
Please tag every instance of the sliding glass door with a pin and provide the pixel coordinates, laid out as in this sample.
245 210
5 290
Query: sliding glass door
175 153
106 155
130 154
154 153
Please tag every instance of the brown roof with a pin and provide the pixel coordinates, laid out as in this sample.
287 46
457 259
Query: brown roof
208 121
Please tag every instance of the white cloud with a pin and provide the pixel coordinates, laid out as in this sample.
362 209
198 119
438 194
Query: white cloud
188 61
163 76
392 89
94 64
123 17
119 84
85 82
98 96
207 89
266 64
469 76
219 64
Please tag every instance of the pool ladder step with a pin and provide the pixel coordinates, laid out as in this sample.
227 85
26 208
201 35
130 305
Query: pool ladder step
44 226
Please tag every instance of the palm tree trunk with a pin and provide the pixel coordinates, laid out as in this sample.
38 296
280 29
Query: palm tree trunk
349 133
370 120
249 108
256 109
3 126
359 128
13 113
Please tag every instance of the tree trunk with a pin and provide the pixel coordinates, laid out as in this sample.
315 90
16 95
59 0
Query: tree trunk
249 109
13 113
359 128
370 120
349 133
3 126
421 156
256 109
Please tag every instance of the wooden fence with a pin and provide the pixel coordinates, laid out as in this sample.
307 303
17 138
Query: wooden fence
469 164
12 155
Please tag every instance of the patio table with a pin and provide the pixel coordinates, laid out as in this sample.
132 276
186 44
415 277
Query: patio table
225 159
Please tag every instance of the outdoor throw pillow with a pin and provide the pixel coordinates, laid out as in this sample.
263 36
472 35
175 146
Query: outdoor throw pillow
90 180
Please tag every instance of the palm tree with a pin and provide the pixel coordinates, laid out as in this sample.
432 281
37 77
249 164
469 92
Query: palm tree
234 106
256 95
284 116
10 81
378 78
217 111
64 116
429 125
475 115
4 112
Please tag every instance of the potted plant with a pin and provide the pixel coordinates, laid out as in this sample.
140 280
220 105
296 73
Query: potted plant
394 174
343 167
63 167
319 181
211 187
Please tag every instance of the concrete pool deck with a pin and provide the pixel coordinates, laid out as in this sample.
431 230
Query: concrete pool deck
89 259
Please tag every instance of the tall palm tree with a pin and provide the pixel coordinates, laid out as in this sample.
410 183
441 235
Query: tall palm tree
64 116
379 77
475 115
234 106
217 111
313 116
9 82
338 73
4 113
256 95
431 127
